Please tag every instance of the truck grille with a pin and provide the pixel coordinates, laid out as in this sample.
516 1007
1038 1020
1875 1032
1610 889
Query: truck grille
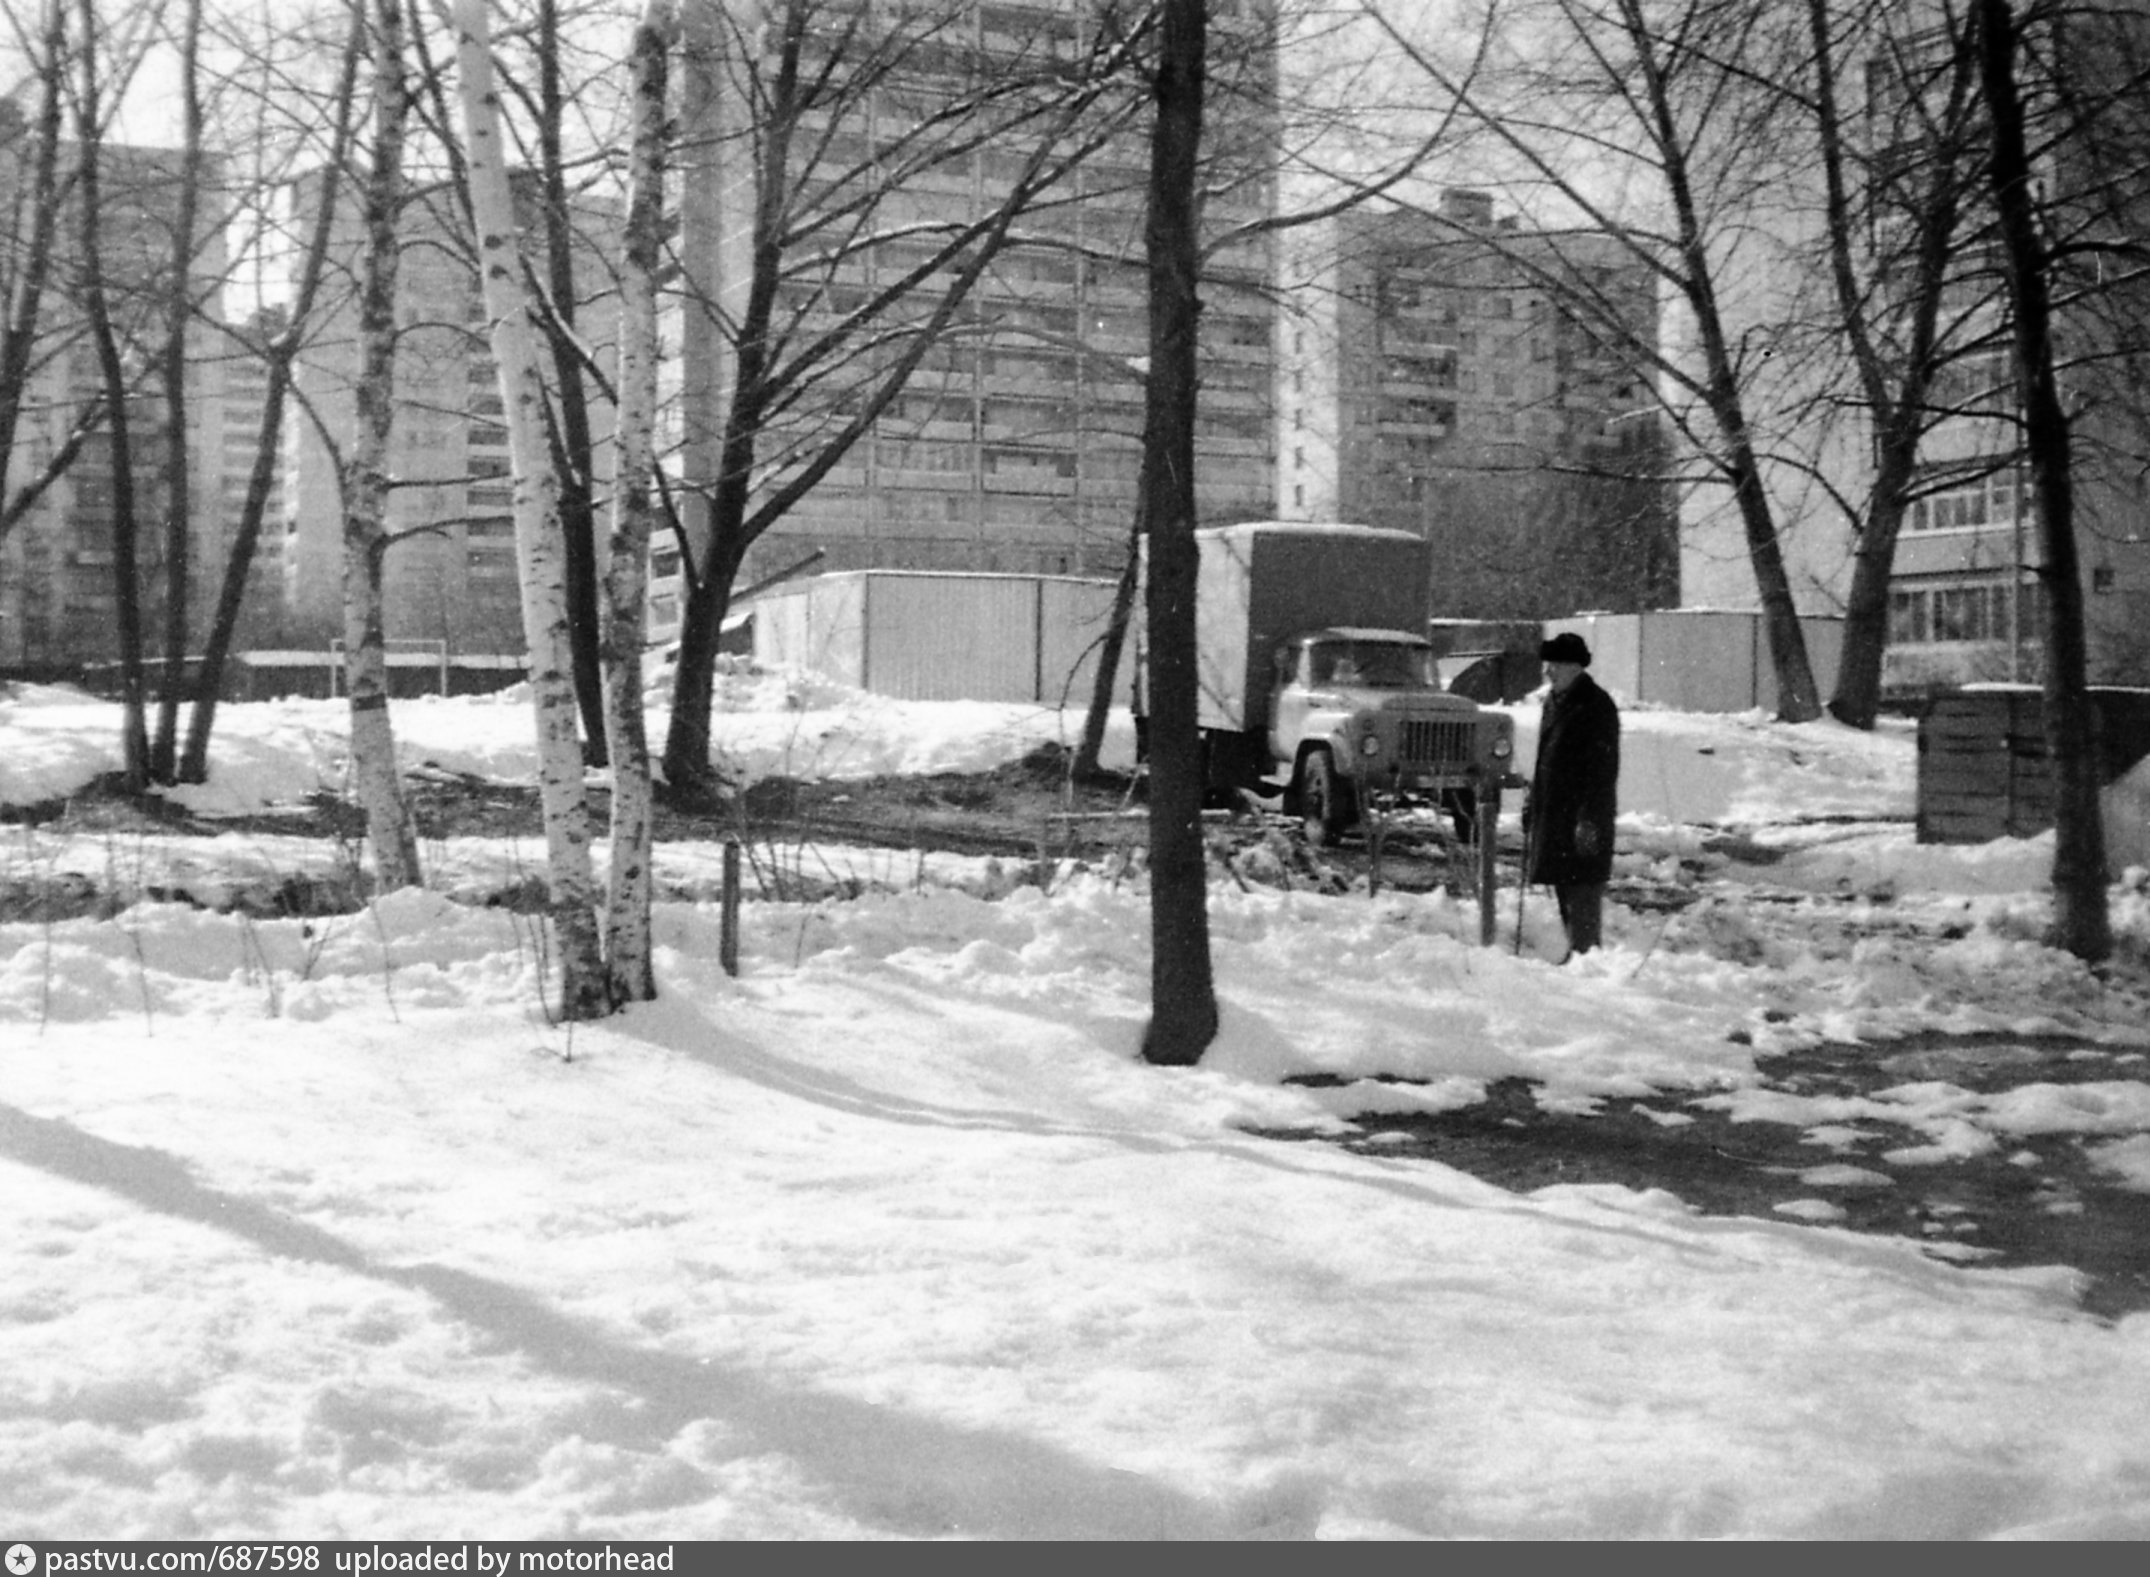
1427 743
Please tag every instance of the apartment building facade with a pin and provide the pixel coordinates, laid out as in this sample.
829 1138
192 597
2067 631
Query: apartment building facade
1486 386
1964 585
1965 598
1015 445
449 576
59 602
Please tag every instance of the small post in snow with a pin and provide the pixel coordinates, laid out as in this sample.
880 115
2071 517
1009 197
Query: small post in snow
728 932
1488 830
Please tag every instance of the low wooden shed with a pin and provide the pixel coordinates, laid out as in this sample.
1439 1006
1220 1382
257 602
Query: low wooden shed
1983 771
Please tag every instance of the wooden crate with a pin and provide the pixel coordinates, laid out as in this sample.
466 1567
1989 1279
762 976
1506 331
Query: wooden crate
1982 769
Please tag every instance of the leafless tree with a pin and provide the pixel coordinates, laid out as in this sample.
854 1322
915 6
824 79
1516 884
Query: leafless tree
634 477
27 337
276 339
365 466
810 361
1305 141
105 343
1893 221
180 312
540 539
1595 96
2081 922
1183 997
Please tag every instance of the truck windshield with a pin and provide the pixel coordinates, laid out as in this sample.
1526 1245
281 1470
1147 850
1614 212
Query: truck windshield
1381 664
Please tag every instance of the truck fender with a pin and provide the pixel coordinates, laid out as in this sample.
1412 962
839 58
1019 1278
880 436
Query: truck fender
1331 733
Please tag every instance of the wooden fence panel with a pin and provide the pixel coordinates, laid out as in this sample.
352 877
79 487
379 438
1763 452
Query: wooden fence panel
1982 768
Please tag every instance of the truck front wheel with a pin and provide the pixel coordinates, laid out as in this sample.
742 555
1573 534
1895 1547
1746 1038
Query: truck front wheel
1326 802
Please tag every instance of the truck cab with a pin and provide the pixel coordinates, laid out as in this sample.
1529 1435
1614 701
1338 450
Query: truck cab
1357 711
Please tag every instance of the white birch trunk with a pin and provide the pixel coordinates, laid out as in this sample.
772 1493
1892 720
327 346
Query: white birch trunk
540 540
627 900
376 777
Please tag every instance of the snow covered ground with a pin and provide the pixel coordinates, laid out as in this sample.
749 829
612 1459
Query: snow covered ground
320 1229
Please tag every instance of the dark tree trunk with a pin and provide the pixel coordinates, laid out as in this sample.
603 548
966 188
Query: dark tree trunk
279 352
1183 999
1856 701
178 477
687 771
1109 652
575 459
19 335
1798 698
773 365
1899 412
126 584
2081 923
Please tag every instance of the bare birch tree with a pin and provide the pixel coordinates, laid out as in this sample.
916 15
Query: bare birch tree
627 901
377 775
541 546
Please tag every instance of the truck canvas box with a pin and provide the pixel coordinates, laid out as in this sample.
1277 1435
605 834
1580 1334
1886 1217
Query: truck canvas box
1318 683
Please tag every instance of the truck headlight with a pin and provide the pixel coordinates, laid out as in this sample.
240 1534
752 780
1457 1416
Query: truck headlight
1370 745
1503 746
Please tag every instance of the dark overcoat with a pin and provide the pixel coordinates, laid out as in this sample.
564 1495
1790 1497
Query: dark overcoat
1574 789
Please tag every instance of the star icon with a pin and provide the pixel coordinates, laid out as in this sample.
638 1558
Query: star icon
21 1560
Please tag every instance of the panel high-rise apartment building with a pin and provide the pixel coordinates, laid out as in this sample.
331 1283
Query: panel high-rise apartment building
58 601
1964 595
1964 575
1488 387
1016 444
450 574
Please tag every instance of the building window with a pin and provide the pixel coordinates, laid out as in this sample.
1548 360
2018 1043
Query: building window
1965 612
1975 503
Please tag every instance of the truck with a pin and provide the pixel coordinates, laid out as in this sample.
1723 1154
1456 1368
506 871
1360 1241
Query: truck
1318 685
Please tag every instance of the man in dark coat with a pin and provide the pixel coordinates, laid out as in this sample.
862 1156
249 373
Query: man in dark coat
1568 819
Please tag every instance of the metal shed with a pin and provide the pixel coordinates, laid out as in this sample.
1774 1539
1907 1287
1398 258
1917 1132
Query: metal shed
925 636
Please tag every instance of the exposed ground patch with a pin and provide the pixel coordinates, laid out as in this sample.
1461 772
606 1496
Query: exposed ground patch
2039 1199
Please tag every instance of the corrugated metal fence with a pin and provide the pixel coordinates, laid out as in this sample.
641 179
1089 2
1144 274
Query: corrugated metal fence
1697 659
921 636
